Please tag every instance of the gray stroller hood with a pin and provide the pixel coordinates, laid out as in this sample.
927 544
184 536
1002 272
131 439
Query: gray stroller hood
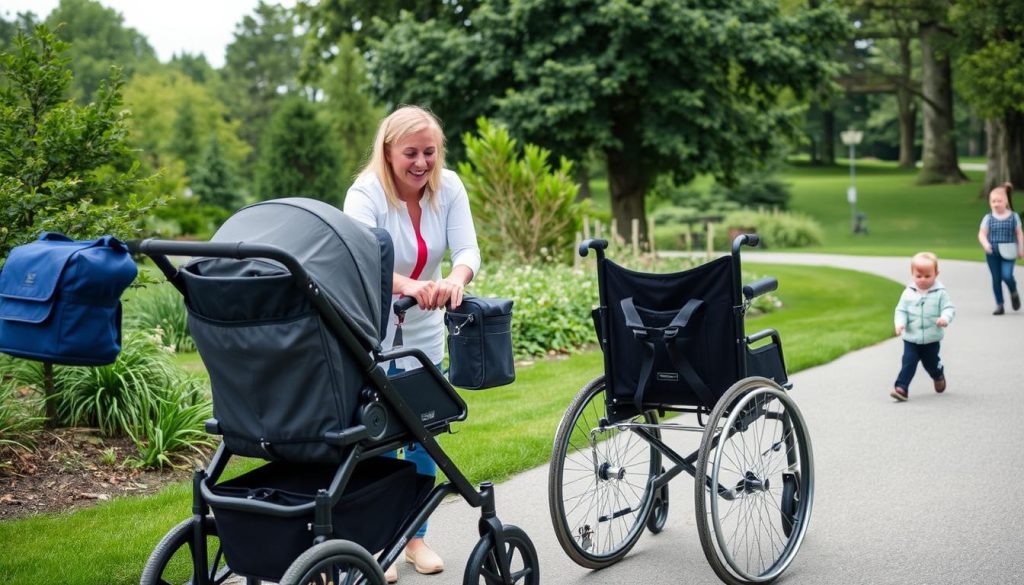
341 254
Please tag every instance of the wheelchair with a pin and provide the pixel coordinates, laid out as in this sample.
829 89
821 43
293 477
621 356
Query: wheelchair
675 349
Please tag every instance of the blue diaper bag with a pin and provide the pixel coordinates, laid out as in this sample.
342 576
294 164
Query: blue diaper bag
60 300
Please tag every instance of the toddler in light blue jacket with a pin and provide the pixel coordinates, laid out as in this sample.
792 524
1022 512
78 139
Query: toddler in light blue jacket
922 314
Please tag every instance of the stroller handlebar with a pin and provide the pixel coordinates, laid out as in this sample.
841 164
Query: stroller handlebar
404 304
237 250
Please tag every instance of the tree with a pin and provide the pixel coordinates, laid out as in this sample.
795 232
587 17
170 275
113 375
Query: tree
63 167
990 74
938 155
214 181
260 68
99 40
298 155
184 136
658 86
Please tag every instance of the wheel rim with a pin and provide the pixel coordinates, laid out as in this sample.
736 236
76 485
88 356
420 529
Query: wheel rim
602 494
760 529
522 561
171 561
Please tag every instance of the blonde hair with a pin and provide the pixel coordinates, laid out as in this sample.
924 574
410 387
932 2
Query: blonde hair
922 258
402 122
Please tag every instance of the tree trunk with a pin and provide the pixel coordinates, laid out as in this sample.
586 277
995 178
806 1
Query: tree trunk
908 111
939 159
1005 146
628 185
828 136
583 178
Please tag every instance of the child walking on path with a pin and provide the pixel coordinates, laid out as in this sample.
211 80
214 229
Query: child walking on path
1002 239
923 312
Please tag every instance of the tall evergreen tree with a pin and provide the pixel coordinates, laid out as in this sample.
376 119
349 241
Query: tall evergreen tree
184 138
214 180
298 156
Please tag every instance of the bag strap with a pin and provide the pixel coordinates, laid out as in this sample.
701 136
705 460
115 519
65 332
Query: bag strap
459 321
673 337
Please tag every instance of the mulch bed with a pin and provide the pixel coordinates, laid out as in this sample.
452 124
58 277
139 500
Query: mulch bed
74 468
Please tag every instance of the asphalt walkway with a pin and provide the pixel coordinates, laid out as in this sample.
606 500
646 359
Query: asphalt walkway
923 492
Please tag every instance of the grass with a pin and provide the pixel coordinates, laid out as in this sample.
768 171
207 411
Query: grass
903 218
827 313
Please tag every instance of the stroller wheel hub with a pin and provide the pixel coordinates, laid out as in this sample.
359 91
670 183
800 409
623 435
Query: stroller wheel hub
607 472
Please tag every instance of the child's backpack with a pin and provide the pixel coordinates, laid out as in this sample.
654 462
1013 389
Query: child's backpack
60 300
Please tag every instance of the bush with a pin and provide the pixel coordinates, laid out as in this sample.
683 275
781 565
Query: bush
757 189
522 208
161 309
19 421
176 427
778 229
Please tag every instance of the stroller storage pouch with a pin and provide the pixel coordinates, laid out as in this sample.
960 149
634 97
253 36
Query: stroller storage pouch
480 343
381 493
60 300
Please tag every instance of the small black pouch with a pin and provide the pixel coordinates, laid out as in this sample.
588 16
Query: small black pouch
480 343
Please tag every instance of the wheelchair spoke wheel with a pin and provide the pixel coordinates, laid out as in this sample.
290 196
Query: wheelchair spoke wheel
170 563
599 483
522 564
754 504
334 562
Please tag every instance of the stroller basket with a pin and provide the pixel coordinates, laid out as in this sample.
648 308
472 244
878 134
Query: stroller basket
379 496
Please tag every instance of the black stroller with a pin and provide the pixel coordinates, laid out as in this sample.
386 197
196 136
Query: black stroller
287 303
675 343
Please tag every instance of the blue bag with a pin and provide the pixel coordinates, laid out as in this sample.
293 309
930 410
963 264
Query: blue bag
60 300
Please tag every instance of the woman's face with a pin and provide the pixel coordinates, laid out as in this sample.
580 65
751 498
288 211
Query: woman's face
997 201
412 159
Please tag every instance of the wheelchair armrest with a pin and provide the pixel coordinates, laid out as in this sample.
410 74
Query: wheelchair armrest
763 334
760 287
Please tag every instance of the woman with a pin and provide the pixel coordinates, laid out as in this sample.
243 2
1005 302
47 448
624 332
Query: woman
406 190
1001 237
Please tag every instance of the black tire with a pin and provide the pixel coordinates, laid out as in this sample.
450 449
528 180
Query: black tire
599 499
659 510
523 564
171 560
336 562
756 452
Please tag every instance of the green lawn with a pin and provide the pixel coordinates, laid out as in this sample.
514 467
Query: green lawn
509 429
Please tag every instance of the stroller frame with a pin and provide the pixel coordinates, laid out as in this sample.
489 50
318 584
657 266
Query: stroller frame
607 481
503 549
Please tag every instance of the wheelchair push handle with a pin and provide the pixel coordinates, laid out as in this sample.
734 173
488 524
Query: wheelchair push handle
752 240
596 244
760 287
403 304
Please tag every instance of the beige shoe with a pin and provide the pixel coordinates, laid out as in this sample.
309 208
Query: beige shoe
391 575
424 560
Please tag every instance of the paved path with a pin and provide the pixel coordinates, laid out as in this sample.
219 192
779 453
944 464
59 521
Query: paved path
923 492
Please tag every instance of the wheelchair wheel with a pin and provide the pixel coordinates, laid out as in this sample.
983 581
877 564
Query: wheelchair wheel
171 560
334 562
522 563
659 510
754 502
599 483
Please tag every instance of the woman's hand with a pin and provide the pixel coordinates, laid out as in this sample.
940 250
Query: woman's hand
424 291
987 247
449 290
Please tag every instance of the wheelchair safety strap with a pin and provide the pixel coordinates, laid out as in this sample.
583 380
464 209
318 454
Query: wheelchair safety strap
674 337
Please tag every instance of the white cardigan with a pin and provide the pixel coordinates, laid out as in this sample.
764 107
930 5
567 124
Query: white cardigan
448 226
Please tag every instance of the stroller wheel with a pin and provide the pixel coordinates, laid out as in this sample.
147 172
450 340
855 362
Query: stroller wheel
171 560
334 561
659 510
522 564
756 464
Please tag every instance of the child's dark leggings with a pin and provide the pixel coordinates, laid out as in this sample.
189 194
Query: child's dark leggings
927 354
1002 271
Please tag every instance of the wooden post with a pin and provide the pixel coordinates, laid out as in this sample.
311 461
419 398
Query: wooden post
688 234
635 235
586 228
576 250
598 228
711 240
650 242
613 236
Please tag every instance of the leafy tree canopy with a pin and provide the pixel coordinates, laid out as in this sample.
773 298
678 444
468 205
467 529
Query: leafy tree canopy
63 167
99 40
660 86
298 156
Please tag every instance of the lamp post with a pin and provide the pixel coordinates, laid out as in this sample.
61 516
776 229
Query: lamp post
852 138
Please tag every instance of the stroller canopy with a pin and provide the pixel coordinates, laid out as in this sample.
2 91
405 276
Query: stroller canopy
341 254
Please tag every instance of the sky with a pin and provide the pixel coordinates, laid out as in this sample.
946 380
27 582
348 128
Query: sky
171 26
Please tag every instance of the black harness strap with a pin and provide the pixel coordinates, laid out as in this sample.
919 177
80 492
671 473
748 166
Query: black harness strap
674 337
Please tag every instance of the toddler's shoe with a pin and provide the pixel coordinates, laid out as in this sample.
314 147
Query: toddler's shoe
424 560
1015 301
999 310
899 393
940 385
